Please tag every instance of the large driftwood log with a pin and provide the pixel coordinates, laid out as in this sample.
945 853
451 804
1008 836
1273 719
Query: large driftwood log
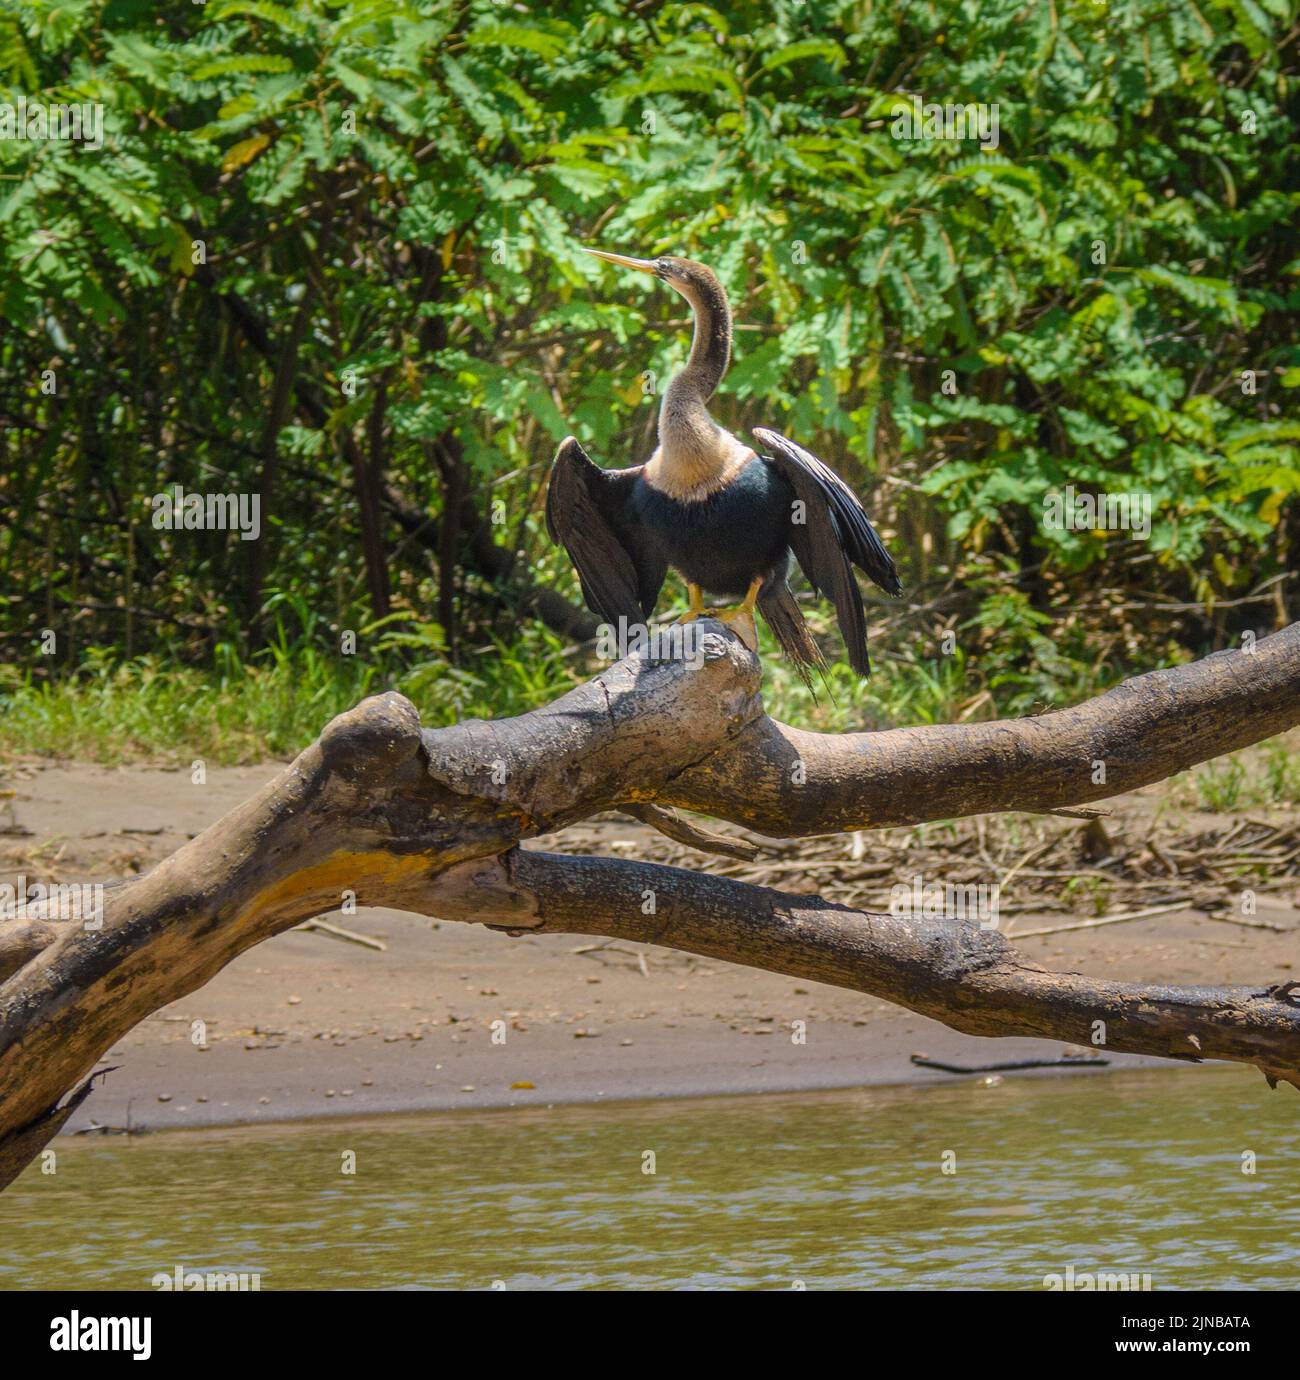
430 821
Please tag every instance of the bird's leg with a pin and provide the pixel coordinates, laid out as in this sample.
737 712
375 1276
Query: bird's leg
696 607
741 618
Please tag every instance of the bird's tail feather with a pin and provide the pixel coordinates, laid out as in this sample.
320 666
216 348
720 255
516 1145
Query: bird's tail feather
778 606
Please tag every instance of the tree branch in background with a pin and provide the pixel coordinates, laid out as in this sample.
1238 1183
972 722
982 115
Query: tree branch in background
493 563
483 555
277 418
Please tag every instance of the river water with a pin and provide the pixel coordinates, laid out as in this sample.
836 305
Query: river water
1138 1173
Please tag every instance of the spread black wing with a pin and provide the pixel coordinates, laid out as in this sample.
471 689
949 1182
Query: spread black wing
588 513
834 535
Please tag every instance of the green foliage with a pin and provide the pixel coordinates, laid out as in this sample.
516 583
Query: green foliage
272 704
414 176
1269 776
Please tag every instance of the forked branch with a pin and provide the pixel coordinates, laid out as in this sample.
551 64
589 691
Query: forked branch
431 821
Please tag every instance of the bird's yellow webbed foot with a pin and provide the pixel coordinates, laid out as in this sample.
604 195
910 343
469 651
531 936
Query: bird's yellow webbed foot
740 619
696 605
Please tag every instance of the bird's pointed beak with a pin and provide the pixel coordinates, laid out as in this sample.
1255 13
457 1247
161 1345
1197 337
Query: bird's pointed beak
642 265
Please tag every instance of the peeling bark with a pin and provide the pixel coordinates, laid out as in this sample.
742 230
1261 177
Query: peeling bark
430 821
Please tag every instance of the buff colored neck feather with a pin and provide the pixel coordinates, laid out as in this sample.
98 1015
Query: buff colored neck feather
696 456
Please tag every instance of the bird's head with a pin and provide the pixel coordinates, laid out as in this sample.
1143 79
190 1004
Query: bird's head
711 345
689 278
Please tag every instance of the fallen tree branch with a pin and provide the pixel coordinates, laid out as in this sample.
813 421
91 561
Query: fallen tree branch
971 979
347 936
430 821
778 780
1067 1061
673 826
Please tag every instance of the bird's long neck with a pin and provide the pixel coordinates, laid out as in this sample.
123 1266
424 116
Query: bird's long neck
692 446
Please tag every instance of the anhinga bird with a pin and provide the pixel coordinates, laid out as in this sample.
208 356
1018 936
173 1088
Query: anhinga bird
727 518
